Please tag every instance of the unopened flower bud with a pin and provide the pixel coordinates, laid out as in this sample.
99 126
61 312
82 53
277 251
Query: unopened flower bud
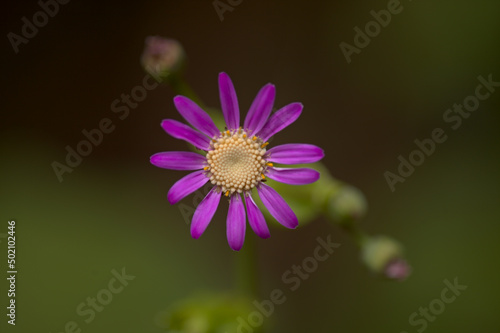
162 56
397 269
347 204
384 255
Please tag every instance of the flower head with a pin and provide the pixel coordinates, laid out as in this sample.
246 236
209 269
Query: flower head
237 160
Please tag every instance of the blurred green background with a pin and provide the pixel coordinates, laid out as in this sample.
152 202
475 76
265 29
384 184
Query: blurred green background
111 211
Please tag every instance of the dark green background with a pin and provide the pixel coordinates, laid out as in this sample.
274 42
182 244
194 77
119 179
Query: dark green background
111 211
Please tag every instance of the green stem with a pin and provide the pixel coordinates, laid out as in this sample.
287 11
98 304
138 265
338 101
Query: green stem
355 232
181 87
247 273
246 268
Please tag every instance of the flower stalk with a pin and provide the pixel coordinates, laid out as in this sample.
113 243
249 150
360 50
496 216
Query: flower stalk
246 269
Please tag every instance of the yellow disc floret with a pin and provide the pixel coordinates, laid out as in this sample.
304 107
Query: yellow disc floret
236 161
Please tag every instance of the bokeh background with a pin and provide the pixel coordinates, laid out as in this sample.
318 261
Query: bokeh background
111 211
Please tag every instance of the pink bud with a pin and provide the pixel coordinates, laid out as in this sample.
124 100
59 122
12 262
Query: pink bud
397 269
162 56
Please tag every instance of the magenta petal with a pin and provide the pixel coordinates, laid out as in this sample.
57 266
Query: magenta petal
277 206
299 176
195 115
256 218
181 131
186 185
204 213
178 160
280 119
236 223
229 101
295 153
261 108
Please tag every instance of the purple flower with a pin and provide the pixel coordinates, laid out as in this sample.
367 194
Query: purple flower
237 161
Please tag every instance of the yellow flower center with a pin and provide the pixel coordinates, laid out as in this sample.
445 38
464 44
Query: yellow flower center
236 162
